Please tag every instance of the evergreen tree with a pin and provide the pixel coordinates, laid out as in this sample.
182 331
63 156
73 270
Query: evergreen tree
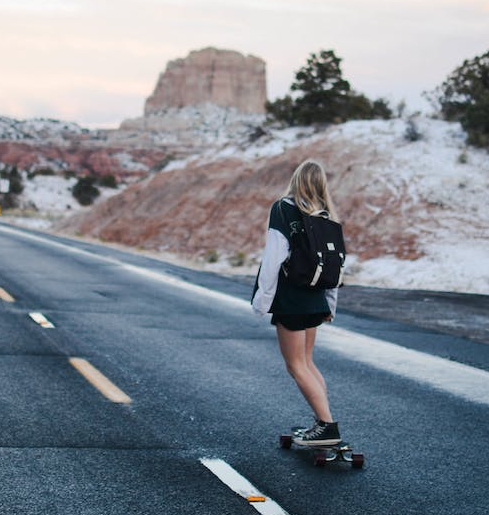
320 94
322 89
464 97
282 109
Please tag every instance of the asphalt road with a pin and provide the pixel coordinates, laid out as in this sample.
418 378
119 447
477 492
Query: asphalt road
206 381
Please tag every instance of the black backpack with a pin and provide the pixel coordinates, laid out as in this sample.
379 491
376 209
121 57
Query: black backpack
317 253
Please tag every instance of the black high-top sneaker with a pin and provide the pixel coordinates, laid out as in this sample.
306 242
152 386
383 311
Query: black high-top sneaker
322 433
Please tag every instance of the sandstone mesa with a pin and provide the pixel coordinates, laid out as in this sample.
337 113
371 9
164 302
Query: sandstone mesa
222 77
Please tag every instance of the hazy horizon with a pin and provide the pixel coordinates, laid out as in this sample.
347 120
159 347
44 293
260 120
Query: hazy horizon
96 62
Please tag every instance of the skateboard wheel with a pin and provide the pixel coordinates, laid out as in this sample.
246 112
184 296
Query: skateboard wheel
357 461
285 442
319 459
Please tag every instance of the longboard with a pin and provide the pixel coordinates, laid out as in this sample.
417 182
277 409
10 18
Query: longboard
323 454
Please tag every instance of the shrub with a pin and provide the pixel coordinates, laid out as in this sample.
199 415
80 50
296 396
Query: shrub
84 190
401 108
381 109
282 109
238 259
463 158
163 163
16 185
107 181
41 171
211 256
69 174
412 133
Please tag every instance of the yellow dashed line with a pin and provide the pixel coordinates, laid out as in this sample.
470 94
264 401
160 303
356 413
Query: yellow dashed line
4 295
97 379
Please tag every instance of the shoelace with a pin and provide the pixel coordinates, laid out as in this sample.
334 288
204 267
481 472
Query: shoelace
314 431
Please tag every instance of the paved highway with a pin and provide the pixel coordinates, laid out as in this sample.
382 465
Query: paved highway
195 376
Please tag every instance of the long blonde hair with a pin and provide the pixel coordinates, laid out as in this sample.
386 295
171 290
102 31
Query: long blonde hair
308 187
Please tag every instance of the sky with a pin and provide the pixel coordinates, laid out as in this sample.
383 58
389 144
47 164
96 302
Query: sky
95 61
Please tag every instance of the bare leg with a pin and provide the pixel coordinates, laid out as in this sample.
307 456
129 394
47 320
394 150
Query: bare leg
294 351
310 340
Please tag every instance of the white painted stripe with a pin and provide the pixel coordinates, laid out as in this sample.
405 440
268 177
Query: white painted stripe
465 381
5 296
239 484
40 319
150 274
462 380
99 381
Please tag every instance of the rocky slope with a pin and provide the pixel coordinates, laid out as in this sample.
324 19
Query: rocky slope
410 209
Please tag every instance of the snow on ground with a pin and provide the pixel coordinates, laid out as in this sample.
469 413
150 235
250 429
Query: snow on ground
49 194
446 267
39 129
127 162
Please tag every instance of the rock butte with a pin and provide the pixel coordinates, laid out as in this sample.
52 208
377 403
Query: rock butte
222 77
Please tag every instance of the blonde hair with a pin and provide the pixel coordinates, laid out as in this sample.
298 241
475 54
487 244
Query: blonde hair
308 187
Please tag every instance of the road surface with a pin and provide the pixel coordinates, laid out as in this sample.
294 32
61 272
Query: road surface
201 378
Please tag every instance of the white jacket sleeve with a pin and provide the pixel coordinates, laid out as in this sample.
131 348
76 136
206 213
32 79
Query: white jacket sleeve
332 300
275 253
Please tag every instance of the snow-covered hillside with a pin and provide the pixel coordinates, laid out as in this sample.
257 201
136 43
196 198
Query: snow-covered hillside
37 129
443 186
440 184
434 189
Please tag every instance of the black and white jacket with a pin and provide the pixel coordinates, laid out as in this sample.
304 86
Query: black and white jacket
273 293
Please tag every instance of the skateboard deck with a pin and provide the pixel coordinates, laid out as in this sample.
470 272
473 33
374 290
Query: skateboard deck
323 454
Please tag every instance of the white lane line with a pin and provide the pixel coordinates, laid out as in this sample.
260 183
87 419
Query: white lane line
99 381
5 296
150 274
462 380
239 484
40 319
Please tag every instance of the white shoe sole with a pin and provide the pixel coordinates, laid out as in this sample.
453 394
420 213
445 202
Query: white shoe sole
315 443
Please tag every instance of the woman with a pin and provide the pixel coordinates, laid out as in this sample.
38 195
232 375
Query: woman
297 312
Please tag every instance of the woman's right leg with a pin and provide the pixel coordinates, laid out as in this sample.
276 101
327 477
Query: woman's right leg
310 341
293 348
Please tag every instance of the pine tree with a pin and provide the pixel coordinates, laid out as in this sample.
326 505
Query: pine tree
320 94
464 97
322 89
